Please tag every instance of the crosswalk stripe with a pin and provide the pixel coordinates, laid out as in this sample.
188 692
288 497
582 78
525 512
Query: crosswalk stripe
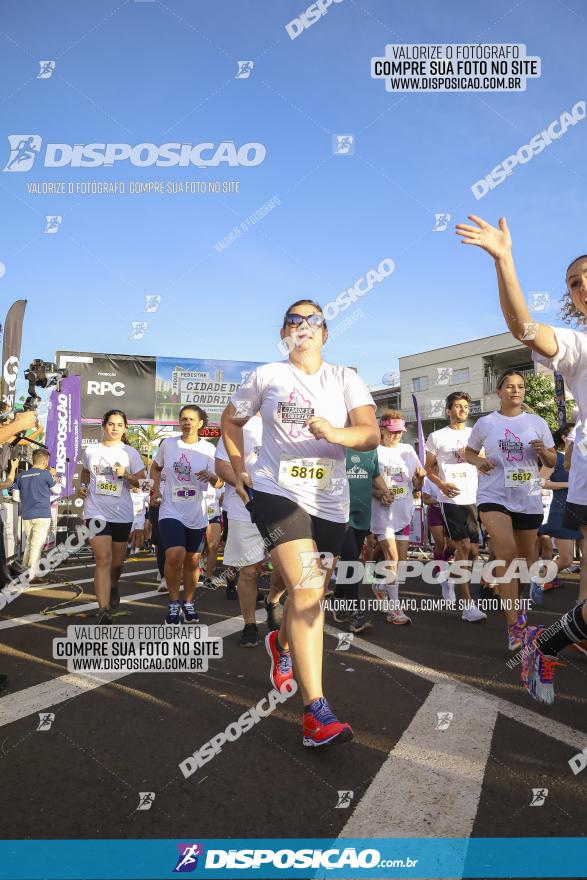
431 782
541 723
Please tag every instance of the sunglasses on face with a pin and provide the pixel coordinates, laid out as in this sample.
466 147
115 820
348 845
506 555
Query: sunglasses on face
293 319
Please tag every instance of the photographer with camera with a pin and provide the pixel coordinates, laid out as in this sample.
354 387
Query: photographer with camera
22 421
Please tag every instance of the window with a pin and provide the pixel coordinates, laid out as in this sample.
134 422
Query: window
420 383
459 377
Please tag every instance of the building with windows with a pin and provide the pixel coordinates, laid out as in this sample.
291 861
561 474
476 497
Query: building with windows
472 367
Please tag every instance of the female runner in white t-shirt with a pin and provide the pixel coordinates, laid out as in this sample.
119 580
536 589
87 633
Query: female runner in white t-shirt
403 474
312 412
563 350
109 470
509 496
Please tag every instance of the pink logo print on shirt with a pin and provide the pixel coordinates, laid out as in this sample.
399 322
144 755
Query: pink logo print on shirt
512 445
104 469
394 473
294 413
183 469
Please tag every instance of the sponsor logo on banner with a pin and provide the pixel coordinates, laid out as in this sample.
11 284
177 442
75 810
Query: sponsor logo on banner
102 388
62 431
110 380
10 373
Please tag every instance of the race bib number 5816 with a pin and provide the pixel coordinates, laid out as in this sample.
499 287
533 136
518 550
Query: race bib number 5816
315 472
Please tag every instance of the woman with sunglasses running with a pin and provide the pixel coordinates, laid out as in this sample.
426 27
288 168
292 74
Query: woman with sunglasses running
564 350
312 411
401 469
109 470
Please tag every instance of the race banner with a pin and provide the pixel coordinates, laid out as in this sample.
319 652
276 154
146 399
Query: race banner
206 383
113 381
559 394
63 434
11 350
421 451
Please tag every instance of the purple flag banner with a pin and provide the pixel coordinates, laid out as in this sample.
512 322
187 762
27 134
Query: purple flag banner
64 435
11 350
421 451
559 393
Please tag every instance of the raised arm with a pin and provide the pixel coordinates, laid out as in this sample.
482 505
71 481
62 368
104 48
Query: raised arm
497 242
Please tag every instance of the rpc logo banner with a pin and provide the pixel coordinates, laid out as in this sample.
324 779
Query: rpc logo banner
113 382
402 858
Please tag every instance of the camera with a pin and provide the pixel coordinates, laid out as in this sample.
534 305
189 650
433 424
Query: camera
41 374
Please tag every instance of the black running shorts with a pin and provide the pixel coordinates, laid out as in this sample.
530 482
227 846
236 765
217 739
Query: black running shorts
520 521
281 520
119 532
460 521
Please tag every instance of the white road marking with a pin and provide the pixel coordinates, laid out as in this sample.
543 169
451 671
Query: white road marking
49 584
541 723
431 783
35 618
43 696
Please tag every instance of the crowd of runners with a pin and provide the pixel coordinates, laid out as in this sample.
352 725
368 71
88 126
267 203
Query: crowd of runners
305 476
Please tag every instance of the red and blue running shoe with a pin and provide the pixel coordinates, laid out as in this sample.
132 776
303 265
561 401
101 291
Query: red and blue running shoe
516 632
281 668
537 668
321 726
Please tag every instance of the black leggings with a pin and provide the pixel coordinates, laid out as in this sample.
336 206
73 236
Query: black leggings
156 539
351 552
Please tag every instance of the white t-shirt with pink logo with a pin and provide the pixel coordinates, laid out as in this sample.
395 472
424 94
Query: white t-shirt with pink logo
183 495
447 446
109 496
292 463
514 482
397 466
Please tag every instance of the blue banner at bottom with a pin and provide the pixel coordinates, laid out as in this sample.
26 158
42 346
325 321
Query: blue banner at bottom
226 859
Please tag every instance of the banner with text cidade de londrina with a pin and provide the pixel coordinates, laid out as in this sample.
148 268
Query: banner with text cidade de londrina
63 435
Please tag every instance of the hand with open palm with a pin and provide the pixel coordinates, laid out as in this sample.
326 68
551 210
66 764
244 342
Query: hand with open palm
497 242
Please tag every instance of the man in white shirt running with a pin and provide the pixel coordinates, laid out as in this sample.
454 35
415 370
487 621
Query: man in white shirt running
456 482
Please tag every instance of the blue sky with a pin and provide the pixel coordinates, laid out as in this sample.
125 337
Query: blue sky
156 72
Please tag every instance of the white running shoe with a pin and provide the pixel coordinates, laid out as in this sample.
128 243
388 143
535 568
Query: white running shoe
399 618
448 591
473 615
162 588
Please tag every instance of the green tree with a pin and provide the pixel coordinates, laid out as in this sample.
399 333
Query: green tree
541 400
144 437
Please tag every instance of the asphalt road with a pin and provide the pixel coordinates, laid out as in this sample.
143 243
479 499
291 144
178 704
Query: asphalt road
109 741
